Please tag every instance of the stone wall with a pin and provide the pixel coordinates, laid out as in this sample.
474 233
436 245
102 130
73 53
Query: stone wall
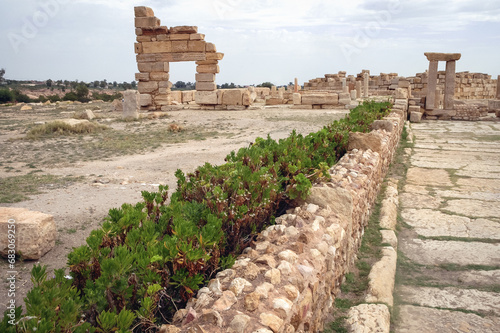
288 281
159 45
467 85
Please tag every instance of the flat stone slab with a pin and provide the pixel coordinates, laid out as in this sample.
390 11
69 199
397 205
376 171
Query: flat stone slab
431 223
428 177
452 298
421 319
491 185
473 208
418 197
468 193
432 252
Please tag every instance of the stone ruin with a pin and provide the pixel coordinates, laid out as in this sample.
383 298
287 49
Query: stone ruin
433 94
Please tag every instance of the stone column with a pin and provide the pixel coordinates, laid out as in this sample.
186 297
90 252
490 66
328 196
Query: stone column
296 86
498 87
449 85
366 78
344 85
430 102
358 89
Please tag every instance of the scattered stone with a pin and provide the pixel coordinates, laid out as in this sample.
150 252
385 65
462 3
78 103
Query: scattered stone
35 232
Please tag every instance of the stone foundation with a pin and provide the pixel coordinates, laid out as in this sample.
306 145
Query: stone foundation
288 281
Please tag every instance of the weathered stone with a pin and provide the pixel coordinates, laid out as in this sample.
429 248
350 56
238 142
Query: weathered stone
264 289
292 293
227 300
297 99
184 29
239 323
238 284
338 199
369 318
433 56
273 275
169 329
289 256
142 11
428 177
232 97
381 278
145 100
147 87
268 260
252 301
389 237
415 117
284 305
272 321
190 316
365 141
206 86
385 125
35 232
205 97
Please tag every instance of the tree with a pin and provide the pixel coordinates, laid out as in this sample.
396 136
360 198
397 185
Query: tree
133 84
115 84
103 84
180 85
266 84
6 96
49 83
2 73
96 84
82 91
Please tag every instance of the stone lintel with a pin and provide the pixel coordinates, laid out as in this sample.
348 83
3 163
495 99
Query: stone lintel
433 56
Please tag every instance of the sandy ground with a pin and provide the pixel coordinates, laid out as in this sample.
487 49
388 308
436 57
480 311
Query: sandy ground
81 206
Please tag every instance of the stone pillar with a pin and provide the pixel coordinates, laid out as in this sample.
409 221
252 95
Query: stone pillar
296 86
358 89
498 87
130 104
449 85
366 79
430 102
345 88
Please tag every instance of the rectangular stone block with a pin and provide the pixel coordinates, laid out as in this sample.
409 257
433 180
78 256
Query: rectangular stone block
165 84
145 100
147 22
232 97
179 37
206 86
146 67
142 11
215 56
210 47
141 39
138 47
176 95
180 46
246 98
415 117
187 96
206 97
163 99
147 87
207 62
297 99
157 47
170 57
196 46
205 77
142 76
159 76
208 69
130 103
185 29
197 36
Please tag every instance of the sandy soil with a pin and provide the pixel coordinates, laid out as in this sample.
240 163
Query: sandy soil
108 182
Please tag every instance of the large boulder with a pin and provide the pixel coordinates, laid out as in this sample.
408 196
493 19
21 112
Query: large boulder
35 232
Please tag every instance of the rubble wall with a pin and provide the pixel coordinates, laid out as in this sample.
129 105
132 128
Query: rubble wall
288 281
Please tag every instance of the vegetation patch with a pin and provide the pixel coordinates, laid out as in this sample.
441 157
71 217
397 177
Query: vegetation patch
147 260
58 128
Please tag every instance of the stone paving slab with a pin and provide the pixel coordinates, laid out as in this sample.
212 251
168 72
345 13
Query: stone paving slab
422 319
491 185
430 223
473 208
432 252
417 200
453 298
468 193
428 177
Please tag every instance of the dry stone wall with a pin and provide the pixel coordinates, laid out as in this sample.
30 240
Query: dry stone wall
288 281
159 45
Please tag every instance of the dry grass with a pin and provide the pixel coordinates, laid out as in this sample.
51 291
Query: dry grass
58 128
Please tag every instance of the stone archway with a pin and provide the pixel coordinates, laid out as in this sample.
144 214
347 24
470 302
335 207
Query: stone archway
449 85
157 46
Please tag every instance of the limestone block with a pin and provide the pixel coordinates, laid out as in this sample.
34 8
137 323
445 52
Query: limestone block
147 87
246 98
331 99
145 99
35 232
338 199
205 77
208 69
197 37
207 62
386 125
297 99
142 11
176 96
185 29
159 76
401 93
157 47
145 22
210 47
415 117
403 84
196 46
138 47
130 100
206 86
187 96
185 37
215 56
344 98
206 97
146 67
381 278
415 108
494 104
142 77
369 318
365 141
165 84
180 46
232 97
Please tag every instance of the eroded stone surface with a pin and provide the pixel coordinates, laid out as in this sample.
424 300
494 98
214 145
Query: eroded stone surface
428 177
473 208
424 319
369 318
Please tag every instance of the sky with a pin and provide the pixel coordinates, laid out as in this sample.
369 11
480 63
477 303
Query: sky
263 40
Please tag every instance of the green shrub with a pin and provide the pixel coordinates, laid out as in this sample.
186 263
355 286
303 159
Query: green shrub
149 259
6 95
106 97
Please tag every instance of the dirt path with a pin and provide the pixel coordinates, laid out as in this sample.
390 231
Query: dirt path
113 174
449 260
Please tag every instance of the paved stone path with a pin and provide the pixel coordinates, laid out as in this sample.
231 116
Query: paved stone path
449 248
